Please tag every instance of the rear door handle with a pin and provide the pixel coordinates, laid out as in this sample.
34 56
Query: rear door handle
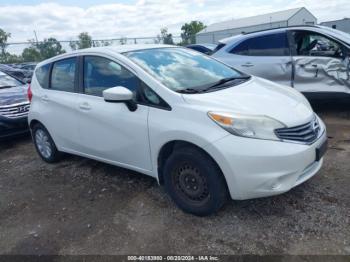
85 106
248 64
45 98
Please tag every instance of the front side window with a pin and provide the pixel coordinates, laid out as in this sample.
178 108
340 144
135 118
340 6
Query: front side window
42 75
314 44
180 69
266 45
63 75
101 73
7 81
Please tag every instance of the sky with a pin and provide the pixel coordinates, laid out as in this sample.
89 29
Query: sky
105 19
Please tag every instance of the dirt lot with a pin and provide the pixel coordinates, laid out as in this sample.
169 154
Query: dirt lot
80 206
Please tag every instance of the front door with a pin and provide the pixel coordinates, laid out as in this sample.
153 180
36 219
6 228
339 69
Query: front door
321 63
266 56
110 131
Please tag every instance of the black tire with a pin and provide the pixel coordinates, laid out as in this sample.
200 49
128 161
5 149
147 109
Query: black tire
195 182
54 154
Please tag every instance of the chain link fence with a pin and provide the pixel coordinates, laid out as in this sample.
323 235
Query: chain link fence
18 47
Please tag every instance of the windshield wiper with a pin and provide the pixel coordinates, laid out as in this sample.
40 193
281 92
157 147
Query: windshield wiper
226 80
189 91
217 84
1 87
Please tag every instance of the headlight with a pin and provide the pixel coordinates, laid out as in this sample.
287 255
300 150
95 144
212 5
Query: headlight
253 126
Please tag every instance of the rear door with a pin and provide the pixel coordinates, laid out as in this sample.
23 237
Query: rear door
266 56
59 103
110 131
321 63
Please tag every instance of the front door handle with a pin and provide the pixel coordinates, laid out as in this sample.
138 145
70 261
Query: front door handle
314 66
85 106
248 64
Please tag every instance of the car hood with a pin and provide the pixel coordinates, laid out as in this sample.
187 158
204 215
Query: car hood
257 97
13 95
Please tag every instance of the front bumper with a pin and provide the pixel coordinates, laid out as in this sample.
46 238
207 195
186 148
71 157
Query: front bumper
13 127
258 168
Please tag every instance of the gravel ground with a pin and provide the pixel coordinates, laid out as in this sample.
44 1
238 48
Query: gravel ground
81 206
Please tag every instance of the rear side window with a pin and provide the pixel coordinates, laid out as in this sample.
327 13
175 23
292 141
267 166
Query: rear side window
63 75
267 45
42 75
101 73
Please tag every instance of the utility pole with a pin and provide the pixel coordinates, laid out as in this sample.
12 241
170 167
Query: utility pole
36 37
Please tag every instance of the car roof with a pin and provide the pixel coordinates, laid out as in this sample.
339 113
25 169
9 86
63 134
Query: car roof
274 30
108 49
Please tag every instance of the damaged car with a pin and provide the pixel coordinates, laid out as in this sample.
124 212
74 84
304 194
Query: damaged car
204 130
312 59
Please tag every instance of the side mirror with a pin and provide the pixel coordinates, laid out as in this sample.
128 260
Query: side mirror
120 94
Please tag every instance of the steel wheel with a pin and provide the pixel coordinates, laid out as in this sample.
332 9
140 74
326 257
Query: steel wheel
190 184
43 143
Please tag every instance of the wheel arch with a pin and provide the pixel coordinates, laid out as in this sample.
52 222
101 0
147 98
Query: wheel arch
33 122
169 147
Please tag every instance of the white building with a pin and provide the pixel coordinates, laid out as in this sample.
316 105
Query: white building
298 16
342 25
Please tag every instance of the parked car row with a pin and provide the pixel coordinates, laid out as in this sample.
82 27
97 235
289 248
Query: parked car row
204 130
14 106
22 72
312 59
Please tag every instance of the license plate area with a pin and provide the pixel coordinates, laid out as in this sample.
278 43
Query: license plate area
321 150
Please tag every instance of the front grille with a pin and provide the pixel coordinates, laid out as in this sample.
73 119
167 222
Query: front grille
15 111
306 133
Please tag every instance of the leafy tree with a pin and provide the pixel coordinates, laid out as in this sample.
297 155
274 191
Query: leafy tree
189 31
4 36
49 47
165 37
31 54
43 50
85 41
11 59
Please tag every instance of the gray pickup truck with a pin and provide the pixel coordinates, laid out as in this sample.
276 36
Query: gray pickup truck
14 106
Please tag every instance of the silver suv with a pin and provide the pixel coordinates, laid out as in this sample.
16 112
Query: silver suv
313 59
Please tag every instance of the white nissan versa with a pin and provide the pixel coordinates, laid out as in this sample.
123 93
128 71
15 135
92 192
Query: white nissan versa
201 128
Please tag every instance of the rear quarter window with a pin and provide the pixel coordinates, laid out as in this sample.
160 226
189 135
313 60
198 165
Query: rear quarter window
42 75
63 75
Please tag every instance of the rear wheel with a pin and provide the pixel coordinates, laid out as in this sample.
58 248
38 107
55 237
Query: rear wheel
44 144
195 182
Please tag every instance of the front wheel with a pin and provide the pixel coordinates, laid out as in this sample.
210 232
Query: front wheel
194 182
44 144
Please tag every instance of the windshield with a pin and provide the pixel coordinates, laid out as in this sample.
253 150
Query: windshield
180 68
338 34
8 81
